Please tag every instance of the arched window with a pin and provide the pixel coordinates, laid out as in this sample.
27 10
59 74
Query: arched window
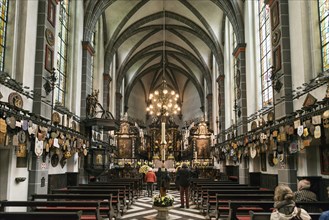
324 32
265 53
62 52
3 31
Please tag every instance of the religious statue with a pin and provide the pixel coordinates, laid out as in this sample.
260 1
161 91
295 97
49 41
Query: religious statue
92 101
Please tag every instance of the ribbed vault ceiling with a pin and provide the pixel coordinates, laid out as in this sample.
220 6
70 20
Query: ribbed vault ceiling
180 39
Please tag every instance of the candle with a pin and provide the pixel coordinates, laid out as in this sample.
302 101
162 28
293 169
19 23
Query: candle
163 133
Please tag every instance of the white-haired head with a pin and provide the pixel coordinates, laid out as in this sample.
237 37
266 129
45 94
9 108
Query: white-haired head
304 184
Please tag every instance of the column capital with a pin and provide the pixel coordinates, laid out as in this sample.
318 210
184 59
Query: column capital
269 2
107 76
118 94
87 46
238 49
220 78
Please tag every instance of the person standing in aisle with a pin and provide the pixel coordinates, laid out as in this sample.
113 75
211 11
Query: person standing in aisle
150 179
183 179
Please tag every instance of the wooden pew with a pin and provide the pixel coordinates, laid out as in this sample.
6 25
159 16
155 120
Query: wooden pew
90 210
105 201
131 195
198 195
137 183
197 185
223 201
240 209
118 194
40 215
210 196
267 215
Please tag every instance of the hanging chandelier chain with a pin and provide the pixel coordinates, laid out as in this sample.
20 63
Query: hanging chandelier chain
163 102
164 44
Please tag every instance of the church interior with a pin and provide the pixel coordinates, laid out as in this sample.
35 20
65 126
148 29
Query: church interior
94 93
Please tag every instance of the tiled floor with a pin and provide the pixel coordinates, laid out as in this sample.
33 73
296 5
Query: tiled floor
142 210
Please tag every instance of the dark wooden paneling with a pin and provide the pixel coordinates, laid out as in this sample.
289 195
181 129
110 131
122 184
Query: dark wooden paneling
269 181
232 170
254 178
58 181
324 193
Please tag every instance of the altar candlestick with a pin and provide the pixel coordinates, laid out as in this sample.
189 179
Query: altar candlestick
163 133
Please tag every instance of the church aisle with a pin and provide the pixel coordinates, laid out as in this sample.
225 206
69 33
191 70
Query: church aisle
142 210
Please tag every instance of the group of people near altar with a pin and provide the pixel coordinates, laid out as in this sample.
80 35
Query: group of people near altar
162 178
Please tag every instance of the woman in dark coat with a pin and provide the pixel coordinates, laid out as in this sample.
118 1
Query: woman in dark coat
163 181
177 179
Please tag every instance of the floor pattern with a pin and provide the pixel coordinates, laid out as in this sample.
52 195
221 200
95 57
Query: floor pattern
142 210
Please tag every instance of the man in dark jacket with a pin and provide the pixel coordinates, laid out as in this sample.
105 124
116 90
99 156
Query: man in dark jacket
183 179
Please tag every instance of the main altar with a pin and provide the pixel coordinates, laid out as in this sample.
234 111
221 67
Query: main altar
164 142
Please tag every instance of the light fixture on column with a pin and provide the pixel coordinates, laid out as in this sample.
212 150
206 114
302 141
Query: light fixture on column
163 101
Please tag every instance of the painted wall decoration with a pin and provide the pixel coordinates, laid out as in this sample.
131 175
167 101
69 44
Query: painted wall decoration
124 148
49 59
275 17
50 37
51 12
277 59
203 148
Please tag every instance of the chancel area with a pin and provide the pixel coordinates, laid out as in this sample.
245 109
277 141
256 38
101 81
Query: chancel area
164 109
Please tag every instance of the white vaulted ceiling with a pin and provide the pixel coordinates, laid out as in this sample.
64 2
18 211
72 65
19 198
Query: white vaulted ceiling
186 34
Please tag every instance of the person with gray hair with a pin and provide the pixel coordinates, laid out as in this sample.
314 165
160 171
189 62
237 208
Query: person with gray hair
304 194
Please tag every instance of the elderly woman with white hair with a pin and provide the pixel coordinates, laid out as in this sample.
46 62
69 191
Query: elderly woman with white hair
304 194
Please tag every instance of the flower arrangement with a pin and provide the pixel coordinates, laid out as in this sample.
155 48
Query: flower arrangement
144 169
164 201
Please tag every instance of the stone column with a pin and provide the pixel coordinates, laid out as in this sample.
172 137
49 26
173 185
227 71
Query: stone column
106 93
210 115
244 171
86 89
38 175
44 63
86 76
241 111
44 59
241 108
118 98
221 114
221 107
282 80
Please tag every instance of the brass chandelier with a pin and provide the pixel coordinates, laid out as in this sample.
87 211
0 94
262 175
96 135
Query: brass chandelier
163 102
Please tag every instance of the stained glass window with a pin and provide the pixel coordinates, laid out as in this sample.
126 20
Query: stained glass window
265 53
62 50
3 30
324 32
